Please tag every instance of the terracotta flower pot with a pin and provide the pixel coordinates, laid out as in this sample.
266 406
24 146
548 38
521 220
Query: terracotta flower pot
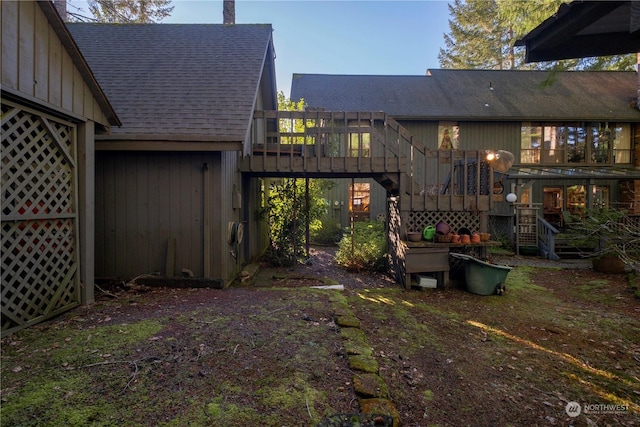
608 264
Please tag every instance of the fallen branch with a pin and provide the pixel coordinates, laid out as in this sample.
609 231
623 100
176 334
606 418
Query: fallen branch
308 410
106 292
133 377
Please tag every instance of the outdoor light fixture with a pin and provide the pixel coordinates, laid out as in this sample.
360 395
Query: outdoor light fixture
511 198
500 160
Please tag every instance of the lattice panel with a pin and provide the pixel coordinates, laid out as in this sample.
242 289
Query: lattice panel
39 257
418 220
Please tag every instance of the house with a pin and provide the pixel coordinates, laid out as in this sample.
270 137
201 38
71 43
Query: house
53 108
574 135
172 201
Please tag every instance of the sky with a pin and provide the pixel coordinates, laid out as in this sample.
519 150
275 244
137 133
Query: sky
335 36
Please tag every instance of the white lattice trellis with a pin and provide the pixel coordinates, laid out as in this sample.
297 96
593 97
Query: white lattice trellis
40 269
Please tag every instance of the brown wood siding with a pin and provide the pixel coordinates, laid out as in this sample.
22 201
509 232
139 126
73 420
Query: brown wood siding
491 136
142 200
473 135
426 132
35 63
229 187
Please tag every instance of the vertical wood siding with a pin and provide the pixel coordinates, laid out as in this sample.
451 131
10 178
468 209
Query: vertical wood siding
34 62
142 200
491 136
229 211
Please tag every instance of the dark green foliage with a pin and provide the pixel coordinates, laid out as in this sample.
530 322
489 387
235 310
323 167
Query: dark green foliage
287 214
329 233
130 11
366 250
483 33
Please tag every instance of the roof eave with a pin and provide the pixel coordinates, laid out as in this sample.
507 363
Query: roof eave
70 45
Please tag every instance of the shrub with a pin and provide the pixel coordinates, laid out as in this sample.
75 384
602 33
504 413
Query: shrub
367 250
329 232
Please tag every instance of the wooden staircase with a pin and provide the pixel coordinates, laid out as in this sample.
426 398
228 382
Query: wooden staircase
324 144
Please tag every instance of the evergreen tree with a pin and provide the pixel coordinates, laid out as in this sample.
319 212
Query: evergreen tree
483 34
476 37
130 11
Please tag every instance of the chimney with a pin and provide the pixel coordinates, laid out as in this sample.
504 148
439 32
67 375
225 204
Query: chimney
61 7
229 12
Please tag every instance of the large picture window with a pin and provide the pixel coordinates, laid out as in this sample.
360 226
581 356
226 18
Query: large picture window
599 143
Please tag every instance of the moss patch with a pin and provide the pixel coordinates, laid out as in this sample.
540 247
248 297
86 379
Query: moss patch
381 406
370 385
363 363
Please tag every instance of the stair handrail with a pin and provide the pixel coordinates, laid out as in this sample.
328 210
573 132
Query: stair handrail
547 237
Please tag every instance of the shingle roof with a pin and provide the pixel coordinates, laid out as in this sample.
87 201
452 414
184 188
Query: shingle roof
477 94
178 81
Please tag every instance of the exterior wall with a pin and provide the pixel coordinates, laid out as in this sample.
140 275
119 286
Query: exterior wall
227 208
256 238
144 199
340 194
473 135
35 64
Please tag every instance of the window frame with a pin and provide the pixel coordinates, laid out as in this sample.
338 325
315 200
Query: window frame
575 143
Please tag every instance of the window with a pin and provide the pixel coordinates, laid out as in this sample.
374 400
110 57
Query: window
600 196
359 200
576 200
530 143
575 143
553 142
359 145
622 143
448 136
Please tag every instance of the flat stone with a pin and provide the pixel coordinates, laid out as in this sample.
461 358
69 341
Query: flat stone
363 363
357 347
348 321
370 385
354 334
381 406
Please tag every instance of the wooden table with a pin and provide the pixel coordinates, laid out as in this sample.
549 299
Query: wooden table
430 257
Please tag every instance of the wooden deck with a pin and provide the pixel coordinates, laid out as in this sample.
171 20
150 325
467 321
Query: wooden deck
321 144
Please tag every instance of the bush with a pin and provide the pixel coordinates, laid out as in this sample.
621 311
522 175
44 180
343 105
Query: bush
329 232
369 247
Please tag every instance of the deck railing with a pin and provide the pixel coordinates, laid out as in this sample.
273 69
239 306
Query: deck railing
323 143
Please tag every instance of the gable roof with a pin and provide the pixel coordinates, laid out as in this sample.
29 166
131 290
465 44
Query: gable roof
57 24
585 28
477 94
179 82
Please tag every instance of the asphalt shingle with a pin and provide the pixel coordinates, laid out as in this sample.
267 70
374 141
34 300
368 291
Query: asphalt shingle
477 94
179 80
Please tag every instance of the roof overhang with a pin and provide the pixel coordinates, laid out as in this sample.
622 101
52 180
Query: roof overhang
70 45
585 29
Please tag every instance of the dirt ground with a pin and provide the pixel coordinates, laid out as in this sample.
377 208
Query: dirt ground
267 352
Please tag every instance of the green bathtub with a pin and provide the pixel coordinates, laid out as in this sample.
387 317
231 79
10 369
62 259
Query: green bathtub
481 277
